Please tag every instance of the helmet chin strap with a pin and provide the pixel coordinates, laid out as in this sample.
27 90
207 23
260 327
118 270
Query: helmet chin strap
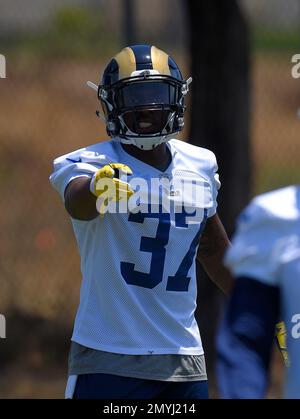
145 143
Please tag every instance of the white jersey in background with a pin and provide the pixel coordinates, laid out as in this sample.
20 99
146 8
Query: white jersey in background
138 294
267 249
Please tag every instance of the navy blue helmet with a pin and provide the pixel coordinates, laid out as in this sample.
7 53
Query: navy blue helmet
142 95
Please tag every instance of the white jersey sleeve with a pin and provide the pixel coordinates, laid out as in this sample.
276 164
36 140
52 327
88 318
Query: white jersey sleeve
215 184
264 236
201 162
81 163
253 251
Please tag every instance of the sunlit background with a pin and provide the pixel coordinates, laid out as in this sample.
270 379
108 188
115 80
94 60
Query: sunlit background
52 47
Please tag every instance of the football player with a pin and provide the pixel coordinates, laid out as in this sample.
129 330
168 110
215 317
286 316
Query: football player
265 259
135 334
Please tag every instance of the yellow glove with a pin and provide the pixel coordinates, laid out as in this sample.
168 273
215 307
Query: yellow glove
280 332
106 183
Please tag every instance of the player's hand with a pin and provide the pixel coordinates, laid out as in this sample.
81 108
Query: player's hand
280 333
106 182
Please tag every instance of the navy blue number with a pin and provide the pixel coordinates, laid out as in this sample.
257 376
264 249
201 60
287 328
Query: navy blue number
156 246
180 281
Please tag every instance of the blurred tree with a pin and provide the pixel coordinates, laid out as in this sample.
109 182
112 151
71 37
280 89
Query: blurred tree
73 34
219 48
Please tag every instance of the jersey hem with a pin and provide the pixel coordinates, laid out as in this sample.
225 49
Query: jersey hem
140 351
180 378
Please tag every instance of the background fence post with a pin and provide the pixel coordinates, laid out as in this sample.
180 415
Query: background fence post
219 50
129 22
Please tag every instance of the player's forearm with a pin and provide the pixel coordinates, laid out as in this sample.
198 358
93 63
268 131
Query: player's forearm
79 201
212 248
217 272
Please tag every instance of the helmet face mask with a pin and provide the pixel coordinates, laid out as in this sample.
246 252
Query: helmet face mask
146 121
144 106
147 107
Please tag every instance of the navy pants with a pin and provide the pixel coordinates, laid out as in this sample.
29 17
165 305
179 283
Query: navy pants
106 386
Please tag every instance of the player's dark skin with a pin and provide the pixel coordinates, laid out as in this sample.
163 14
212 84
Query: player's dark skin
81 204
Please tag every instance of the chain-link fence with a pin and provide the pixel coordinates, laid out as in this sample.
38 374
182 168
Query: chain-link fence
51 49
276 96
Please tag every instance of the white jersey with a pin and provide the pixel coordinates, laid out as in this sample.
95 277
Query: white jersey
138 294
267 248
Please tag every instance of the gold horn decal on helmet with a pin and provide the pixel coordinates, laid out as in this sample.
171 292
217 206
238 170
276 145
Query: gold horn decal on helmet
126 62
160 61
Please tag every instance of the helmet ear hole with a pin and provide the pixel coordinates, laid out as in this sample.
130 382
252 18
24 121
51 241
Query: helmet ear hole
179 122
113 127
